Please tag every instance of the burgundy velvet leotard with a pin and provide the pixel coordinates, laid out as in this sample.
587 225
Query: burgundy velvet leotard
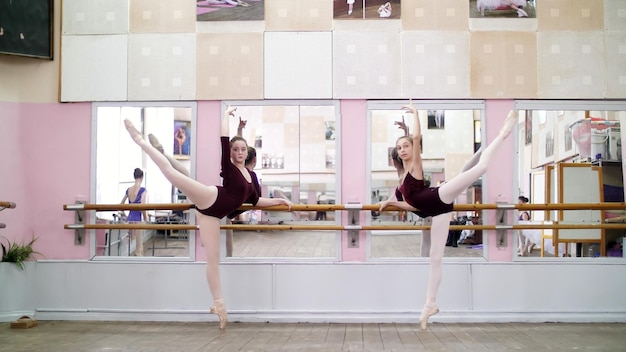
235 190
257 186
425 199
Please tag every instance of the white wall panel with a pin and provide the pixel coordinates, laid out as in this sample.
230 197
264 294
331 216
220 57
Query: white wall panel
571 65
615 43
366 64
95 17
298 65
435 64
94 68
162 67
349 292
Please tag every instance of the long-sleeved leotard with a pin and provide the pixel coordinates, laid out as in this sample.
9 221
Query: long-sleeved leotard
235 190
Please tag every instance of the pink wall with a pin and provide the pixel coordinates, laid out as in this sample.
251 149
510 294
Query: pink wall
45 163
353 176
499 185
208 147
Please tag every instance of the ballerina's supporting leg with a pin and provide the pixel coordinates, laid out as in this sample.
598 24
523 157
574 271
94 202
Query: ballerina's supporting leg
202 196
438 236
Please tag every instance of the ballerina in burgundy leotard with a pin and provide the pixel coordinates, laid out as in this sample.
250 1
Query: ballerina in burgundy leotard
436 202
213 202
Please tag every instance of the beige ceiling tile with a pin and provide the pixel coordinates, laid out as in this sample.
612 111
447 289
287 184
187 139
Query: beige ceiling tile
435 14
571 65
229 66
162 16
570 15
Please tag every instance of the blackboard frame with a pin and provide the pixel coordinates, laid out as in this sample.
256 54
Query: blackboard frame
26 28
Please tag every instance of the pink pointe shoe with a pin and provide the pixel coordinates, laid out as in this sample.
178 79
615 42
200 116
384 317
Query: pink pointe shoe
521 13
220 309
427 312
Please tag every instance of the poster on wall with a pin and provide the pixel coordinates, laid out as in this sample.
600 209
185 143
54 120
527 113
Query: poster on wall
366 9
502 9
182 139
230 10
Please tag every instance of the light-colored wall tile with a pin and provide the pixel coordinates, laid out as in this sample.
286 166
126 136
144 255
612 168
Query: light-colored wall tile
162 67
615 64
162 16
229 66
95 17
615 14
366 64
572 65
435 14
94 68
503 64
435 64
290 15
298 65
583 15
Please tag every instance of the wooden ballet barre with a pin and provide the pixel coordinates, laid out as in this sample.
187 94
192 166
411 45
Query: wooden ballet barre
7 205
335 207
344 227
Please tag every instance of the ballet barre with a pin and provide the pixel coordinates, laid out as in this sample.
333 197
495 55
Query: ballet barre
254 227
6 205
335 207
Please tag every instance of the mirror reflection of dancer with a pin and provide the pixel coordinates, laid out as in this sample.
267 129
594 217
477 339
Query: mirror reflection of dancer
227 2
213 202
437 202
136 195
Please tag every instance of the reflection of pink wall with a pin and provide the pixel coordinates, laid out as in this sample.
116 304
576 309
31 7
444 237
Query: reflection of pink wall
45 163
499 185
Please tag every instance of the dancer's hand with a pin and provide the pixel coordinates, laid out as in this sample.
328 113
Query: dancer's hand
288 203
242 123
411 109
383 204
402 125
230 111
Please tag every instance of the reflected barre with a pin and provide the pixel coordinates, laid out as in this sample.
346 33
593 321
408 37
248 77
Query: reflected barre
335 207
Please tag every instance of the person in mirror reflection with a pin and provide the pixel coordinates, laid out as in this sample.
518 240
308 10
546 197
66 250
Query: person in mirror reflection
525 243
213 202
136 195
235 216
436 203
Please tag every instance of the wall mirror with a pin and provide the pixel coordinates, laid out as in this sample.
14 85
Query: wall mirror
114 159
297 147
451 132
571 152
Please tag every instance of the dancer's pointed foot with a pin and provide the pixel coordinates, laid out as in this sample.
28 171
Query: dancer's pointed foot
509 123
155 142
134 133
428 311
521 13
220 309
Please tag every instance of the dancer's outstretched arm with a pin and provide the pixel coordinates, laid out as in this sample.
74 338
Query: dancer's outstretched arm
416 169
225 127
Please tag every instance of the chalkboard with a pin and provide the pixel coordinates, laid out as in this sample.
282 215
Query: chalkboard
26 27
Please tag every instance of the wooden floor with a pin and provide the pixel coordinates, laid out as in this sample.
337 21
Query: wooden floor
159 336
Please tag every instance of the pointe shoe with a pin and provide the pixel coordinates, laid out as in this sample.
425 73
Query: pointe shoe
155 142
219 309
427 312
509 123
521 13
134 133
